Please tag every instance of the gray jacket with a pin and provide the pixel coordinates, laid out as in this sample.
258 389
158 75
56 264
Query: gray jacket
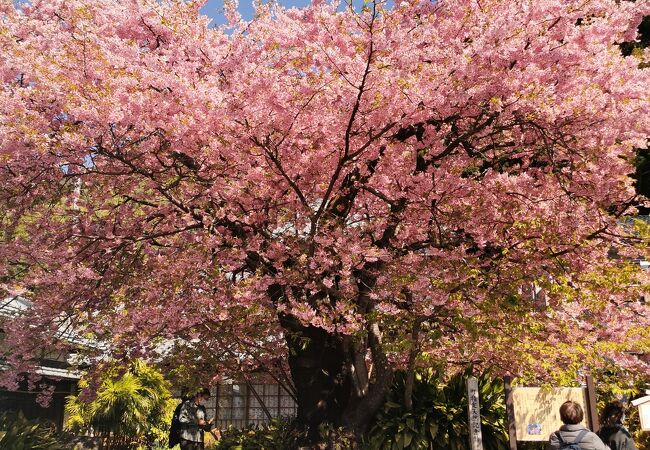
569 433
617 437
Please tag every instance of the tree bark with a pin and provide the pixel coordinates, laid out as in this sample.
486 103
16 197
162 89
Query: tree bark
361 412
321 365
410 369
317 364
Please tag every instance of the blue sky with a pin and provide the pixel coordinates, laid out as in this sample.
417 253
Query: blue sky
214 8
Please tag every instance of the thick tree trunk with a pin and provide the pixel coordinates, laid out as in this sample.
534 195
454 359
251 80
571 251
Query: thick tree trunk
316 360
362 410
330 387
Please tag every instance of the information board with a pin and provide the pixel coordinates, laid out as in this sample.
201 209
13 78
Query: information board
537 410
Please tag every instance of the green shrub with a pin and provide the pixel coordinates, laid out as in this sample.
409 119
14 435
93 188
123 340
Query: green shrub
19 433
275 435
134 406
439 419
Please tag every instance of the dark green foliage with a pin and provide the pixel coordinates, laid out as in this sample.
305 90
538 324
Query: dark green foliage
19 433
642 41
279 434
276 435
439 417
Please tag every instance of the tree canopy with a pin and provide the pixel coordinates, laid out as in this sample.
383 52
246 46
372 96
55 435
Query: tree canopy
347 189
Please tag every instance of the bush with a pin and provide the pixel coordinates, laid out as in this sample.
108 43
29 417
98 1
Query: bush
275 435
131 409
439 420
20 433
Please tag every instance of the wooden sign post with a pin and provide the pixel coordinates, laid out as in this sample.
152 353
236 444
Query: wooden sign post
474 412
592 408
510 411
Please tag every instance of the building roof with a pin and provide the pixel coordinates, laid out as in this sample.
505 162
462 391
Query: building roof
59 369
11 306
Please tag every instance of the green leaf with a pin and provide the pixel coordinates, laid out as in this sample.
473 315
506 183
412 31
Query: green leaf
410 422
433 430
408 437
400 441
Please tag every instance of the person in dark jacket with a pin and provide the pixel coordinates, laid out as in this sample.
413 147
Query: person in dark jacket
572 415
193 421
175 426
613 433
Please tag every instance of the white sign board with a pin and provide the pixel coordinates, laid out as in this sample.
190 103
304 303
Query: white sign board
474 411
644 416
644 411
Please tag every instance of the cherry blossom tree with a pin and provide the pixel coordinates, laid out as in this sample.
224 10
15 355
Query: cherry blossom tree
346 190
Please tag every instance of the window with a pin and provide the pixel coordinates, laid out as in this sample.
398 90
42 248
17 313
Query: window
240 405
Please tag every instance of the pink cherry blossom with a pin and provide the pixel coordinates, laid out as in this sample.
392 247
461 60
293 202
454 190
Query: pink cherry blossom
303 188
